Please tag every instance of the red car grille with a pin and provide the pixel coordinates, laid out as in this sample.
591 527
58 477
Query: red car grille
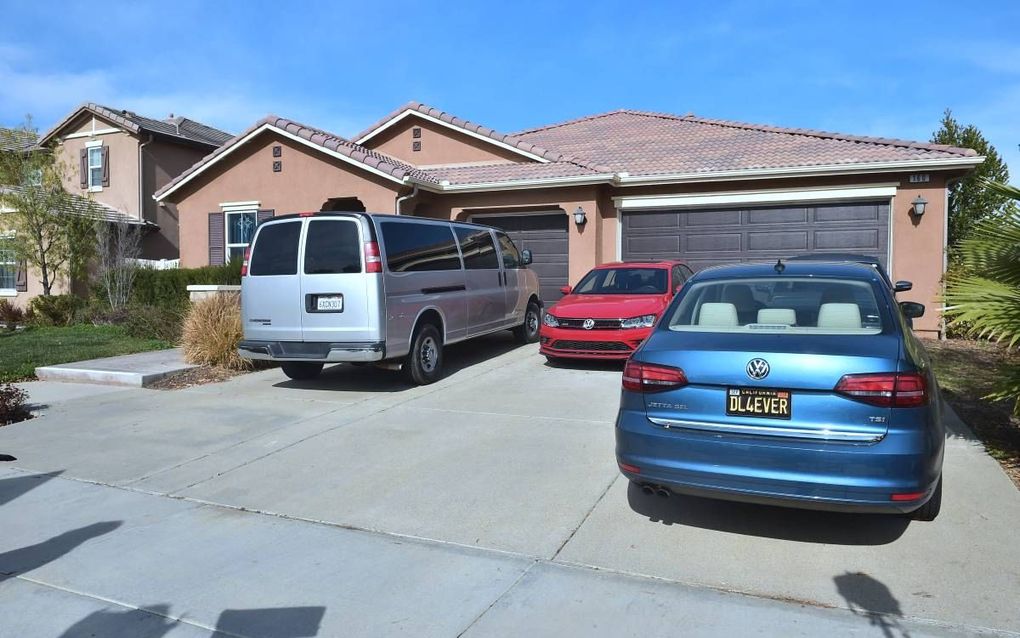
598 346
600 324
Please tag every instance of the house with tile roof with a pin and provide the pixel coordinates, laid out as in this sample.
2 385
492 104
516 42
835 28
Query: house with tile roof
622 185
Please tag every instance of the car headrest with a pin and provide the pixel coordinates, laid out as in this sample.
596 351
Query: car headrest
718 315
785 316
839 316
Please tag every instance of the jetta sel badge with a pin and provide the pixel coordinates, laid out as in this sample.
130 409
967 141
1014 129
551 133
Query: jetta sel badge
757 369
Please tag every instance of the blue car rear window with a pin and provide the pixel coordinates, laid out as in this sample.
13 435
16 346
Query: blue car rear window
807 305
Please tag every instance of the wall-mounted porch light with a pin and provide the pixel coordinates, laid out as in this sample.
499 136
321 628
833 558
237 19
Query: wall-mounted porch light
919 204
579 217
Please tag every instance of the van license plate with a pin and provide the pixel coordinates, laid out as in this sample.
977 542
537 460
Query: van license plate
760 402
330 303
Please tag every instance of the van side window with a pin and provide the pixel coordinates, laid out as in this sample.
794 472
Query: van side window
333 246
417 246
275 252
478 249
511 258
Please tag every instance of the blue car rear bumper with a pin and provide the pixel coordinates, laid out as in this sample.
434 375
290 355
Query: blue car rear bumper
824 475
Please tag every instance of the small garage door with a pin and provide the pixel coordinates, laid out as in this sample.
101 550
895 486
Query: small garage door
717 236
545 235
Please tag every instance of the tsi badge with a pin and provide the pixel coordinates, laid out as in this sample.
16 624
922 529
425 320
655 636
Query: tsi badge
588 324
757 369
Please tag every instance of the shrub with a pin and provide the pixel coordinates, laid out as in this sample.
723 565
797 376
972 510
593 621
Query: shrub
212 330
10 315
153 322
55 310
12 404
169 288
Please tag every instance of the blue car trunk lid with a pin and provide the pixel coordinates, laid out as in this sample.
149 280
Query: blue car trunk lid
802 369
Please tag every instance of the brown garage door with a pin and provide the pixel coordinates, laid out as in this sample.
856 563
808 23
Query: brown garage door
718 236
545 235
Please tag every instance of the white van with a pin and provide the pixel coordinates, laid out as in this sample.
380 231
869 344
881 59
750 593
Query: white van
331 287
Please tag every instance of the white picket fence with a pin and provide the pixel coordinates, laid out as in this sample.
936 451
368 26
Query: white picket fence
157 264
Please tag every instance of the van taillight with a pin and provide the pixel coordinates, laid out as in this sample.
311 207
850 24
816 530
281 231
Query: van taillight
647 377
886 390
373 263
244 264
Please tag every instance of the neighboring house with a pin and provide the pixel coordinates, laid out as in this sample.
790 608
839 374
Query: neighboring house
620 185
119 159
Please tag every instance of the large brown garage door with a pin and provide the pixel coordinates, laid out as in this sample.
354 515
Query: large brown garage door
545 235
718 236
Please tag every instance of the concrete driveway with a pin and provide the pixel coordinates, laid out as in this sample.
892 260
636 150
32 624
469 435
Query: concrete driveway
486 504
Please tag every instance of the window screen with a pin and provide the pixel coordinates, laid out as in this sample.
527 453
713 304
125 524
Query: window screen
414 247
333 246
478 249
276 251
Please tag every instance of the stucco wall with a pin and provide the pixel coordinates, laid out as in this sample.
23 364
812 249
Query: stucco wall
163 161
307 180
439 145
122 193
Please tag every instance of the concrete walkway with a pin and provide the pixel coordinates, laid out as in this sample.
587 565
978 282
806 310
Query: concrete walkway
130 370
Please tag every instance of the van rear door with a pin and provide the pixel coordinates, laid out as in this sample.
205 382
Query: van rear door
271 292
340 302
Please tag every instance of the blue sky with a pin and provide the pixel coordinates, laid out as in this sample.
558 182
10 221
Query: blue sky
870 68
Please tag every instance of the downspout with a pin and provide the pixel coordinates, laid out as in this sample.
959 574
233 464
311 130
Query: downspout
401 200
945 252
141 181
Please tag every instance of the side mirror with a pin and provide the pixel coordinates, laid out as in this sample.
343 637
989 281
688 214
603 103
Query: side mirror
525 257
903 286
565 290
912 309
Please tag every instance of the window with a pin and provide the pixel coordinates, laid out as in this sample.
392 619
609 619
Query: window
333 246
276 251
623 281
240 231
798 305
418 246
477 247
8 266
511 258
95 167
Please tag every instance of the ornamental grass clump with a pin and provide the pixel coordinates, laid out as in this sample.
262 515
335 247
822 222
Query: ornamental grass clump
212 330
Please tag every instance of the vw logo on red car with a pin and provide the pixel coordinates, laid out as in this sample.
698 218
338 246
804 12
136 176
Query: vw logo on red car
588 324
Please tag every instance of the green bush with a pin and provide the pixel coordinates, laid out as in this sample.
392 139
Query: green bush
154 322
55 310
10 315
169 288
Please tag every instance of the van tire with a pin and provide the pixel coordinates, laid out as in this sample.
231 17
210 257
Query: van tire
930 510
527 332
301 370
424 363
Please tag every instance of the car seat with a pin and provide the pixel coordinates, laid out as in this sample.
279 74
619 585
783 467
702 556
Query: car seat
718 315
839 316
742 298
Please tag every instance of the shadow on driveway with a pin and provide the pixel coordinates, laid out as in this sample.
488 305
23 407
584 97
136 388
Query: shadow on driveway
805 526
368 378
26 559
12 488
154 622
866 596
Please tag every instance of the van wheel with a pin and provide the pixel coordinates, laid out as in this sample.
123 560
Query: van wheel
930 510
425 360
527 332
301 370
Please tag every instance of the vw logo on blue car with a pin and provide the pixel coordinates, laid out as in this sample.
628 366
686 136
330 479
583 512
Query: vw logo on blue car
757 369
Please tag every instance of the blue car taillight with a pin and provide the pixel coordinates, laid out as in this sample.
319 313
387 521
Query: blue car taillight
647 377
886 390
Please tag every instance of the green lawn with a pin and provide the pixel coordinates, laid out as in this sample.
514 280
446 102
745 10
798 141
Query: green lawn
22 351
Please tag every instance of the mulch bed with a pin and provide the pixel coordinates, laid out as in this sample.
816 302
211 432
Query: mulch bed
196 376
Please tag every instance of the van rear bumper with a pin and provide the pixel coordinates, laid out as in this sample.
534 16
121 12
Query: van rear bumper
326 352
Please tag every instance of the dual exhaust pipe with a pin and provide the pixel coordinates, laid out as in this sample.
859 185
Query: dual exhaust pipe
658 490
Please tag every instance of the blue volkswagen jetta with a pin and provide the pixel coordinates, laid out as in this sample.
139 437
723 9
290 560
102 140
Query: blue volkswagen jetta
795 384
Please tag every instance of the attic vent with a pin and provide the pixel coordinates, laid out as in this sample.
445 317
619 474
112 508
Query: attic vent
416 132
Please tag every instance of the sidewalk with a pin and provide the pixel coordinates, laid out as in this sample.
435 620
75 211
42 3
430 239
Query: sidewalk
130 370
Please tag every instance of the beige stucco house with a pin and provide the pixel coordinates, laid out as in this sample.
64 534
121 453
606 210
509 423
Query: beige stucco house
613 186
118 159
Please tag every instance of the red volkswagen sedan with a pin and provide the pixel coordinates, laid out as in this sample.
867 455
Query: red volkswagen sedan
611 310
